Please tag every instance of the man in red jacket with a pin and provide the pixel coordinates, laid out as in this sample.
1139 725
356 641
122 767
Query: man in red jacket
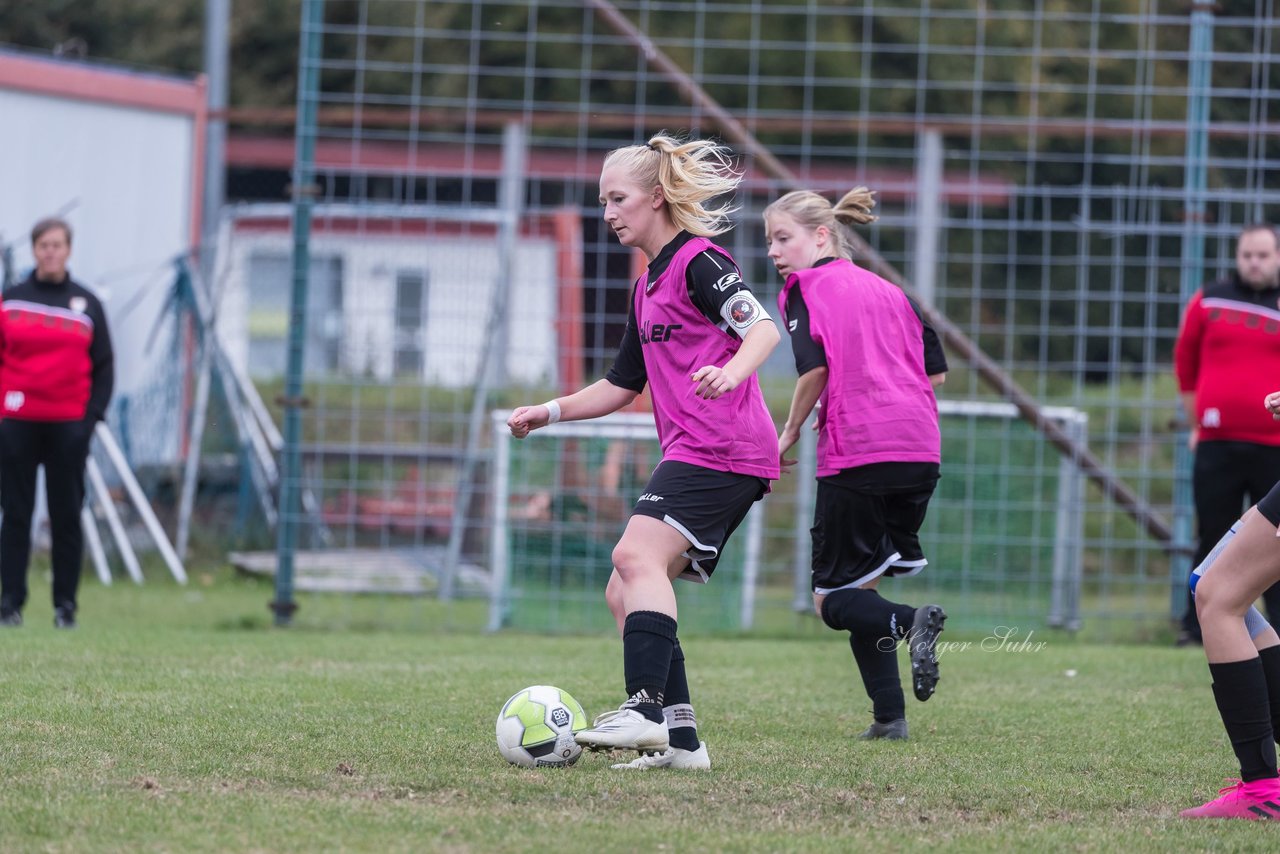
1227 360
56 376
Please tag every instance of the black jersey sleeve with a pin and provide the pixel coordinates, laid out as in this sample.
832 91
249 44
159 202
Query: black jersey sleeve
717 290
628 369
712 279
808 353
102 361
935 359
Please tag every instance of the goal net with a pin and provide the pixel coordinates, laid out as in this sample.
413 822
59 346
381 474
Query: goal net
561 499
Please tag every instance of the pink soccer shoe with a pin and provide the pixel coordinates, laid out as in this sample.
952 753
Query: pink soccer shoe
1258 800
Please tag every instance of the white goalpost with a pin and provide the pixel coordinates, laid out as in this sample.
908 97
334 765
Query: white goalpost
1041 505
619 427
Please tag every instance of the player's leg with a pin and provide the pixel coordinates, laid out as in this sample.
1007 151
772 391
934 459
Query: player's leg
20 450
704 508
1218 488
877 660
613 598
850 551
1262 635
1263 475
1265 638
64 487
904 515
1247 562
685 750
640 582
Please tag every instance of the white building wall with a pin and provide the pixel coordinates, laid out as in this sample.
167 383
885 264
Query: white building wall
115 153
121 176
461 274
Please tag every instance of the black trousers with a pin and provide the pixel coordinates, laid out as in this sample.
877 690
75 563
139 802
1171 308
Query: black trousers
1227 479
62 448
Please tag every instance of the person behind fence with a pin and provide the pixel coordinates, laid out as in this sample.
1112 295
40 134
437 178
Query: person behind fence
862 350
1226 357
1243 651
56 377
696 335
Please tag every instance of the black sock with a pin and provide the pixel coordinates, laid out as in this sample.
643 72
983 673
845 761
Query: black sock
1270 658
878 665
648 638
1240 688
867 613
676 706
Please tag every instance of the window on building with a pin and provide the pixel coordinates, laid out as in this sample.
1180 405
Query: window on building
411 323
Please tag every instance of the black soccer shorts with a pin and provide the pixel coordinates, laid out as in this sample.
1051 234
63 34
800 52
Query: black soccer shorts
704 505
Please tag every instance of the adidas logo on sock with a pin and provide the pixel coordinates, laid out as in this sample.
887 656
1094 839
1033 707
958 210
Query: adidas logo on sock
642 697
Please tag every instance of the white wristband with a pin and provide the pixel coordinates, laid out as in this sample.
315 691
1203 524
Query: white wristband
553 411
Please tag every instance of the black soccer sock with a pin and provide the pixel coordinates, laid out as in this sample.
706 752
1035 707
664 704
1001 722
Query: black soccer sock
676 706
867 613
1240 689
648 638
877 661
1270 658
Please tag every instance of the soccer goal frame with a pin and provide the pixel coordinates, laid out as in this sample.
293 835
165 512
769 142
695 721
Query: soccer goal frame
1066 576
629 426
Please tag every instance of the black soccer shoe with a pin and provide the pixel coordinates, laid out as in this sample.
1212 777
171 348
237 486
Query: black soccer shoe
64 618
10 617
923 644
891 731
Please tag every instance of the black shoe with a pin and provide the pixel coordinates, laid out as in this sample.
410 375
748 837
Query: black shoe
891 731
922 642
11 617
64 618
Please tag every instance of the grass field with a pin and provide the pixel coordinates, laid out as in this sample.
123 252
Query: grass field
177 720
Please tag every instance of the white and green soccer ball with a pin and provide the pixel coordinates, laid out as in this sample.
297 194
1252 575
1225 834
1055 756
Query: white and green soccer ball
536 726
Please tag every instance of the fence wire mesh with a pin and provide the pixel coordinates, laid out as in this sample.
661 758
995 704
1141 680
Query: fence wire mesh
1032 165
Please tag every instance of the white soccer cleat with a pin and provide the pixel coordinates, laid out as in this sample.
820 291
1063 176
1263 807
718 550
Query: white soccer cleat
624 729
673 757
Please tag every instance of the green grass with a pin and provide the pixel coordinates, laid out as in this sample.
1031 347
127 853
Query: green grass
178 720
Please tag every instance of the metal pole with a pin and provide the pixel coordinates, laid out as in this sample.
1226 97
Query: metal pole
196 425
140 503
251 426
924 265
304 155
751 565
217 25
94 541
1064 606
109 512
1075 524
511 203
1061 543
498 557
1200 61
806 489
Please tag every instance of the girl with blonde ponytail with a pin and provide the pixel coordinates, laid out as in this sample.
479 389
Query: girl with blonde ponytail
864 353
695 335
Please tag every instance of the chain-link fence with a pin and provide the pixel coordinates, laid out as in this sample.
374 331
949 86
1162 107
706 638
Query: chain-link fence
1041 170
